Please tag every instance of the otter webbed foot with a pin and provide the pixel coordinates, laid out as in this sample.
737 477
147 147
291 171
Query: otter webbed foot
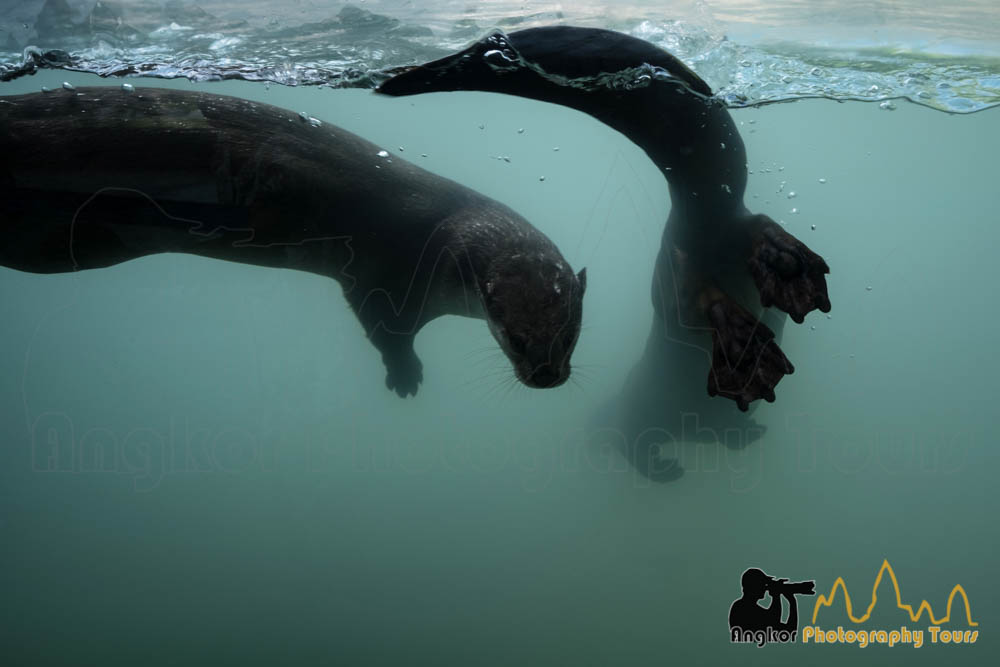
746 362
404 372
787 273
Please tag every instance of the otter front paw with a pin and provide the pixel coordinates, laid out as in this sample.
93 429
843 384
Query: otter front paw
787 273
746 362
404 373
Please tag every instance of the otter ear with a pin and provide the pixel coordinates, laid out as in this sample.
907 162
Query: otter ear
582 277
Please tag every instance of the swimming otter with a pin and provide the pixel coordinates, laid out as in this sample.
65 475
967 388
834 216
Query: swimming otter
719 267
97 176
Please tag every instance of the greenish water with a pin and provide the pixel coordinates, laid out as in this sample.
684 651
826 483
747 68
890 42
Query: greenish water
265 500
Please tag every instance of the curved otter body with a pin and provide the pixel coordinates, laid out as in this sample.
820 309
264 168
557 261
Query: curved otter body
719 267
99 176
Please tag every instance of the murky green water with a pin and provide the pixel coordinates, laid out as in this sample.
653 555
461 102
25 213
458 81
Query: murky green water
260 498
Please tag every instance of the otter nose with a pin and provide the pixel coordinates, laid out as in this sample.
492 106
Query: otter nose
546 376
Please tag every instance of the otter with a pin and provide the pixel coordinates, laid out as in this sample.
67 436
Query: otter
722 273
93 177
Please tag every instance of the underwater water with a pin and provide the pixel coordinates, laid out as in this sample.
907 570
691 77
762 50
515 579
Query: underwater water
201 463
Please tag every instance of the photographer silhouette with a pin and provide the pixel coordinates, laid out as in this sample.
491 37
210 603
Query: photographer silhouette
746 615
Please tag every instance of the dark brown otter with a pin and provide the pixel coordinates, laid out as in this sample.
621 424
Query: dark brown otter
720 268
98 176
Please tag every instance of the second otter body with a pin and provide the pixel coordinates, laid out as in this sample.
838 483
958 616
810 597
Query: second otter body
719 268
98 176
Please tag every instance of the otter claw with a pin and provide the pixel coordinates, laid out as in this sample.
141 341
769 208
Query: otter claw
404 375
788 274
757 368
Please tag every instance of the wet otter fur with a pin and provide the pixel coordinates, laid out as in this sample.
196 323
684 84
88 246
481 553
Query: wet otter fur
94 177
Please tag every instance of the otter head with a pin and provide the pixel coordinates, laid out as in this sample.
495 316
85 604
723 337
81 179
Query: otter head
533 307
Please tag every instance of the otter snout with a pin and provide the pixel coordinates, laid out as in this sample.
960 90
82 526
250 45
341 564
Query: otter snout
547 376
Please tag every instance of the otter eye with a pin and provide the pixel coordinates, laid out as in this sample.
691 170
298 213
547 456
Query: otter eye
517 344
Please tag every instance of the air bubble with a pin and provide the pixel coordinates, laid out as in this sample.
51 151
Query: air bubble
792 195
400 149
382 154
795 210
541 178
555 148
304 116
727 188
520 130
887 105
814 71
68 86
128 87
46 89
869 288
722 145
822 180
812 227
315 122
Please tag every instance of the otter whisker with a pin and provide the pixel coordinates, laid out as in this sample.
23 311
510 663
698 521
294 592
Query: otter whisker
512 386
491 364
497 387
589 367
493 375
487 377
578 383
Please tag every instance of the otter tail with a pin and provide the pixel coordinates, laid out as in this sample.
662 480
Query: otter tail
626 83
565 56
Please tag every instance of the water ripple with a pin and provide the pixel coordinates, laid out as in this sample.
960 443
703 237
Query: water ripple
359 49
